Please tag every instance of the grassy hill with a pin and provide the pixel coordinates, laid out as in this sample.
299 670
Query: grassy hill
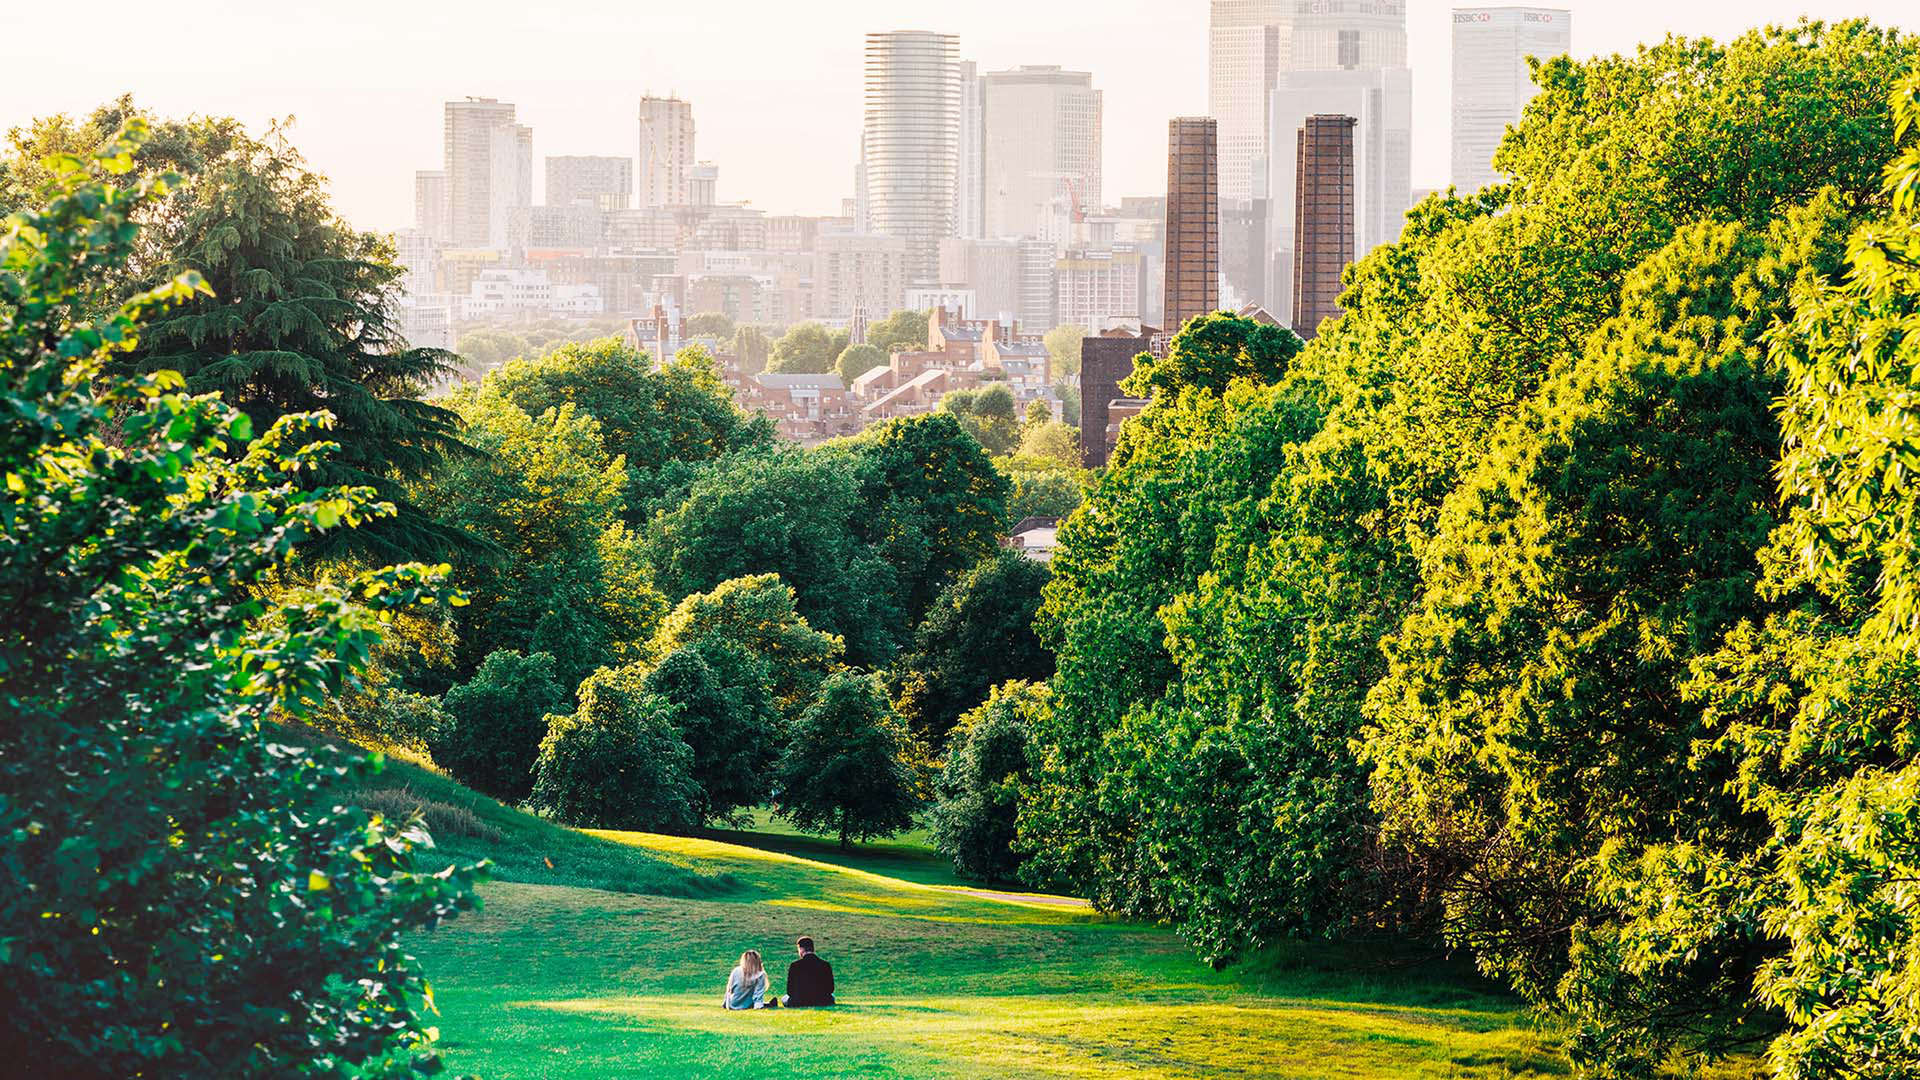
610 962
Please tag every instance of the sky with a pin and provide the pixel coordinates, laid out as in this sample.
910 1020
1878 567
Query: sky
775 84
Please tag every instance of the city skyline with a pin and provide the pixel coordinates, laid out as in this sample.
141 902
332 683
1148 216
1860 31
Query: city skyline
778 92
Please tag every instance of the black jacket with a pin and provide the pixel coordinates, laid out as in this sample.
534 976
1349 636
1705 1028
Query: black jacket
809 981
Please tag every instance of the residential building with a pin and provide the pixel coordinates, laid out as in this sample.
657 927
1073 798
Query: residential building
603 183
1094 288
1492 82
1193 220
666 151
1042 151
703 184
1323 216
934 297
430 205
990 268
859 270
1034 294
910 143
580 225
1034 537
489 167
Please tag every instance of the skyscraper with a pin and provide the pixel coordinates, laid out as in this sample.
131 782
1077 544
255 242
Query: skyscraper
605 183
1042 150
1251 43
1491 82
970 191
666 151
489 167
1193 219
910 143
1323 218
430 204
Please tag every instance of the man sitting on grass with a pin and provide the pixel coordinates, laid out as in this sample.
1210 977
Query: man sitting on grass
809 979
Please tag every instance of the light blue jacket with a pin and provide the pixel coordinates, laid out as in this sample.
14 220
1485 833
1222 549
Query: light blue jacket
745 993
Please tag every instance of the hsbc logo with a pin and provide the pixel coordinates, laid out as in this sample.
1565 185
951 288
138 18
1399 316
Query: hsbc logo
1472 16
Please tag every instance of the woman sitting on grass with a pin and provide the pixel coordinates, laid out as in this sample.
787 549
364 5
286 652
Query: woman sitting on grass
747 986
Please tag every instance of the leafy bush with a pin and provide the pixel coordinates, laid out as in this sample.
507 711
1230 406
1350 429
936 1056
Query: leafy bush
442 819
496 721
845 768
617 762
979 786
175 898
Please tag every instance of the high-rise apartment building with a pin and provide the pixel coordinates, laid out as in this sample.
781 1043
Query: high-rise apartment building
430 205
1193 219
666 151
970 185
604 183
1042 151
855 271
489 167
1323 218
1491 81
1095 289
910 143
1034 292
990 268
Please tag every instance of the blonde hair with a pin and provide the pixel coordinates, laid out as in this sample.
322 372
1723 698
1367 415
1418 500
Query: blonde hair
750 963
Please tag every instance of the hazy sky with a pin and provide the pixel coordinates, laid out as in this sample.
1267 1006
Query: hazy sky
775 84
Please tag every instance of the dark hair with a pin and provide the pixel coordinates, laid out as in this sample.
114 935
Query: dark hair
806 944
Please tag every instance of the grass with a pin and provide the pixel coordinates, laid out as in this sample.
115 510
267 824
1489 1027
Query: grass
936 981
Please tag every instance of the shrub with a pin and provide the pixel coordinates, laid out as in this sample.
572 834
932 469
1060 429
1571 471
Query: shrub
617 761
979 787
441 819
495 722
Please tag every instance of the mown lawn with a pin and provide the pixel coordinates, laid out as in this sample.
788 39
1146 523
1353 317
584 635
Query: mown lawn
565 981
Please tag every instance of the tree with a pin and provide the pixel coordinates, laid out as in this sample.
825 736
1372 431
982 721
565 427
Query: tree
713 324
988 414
1063 345
300 318
931 505
661 422
806 349
483 350
1040 487
751 348
753 617
721 692
900 330
495 722
178 896
617 761
857 360
973 820
978 635
844 771
1050 440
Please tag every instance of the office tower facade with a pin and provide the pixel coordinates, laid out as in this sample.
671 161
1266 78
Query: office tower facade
430 205
1323 218
910 142
989 268
703 184
1252 43
1042 151
970 185
489 167
1193 219
1035 292
666 151
1381 103
604 183
1492 82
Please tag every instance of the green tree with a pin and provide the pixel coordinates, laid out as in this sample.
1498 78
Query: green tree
617 761
724 709
751 348
844 771
1063 345
1050 440
662 422
177 898
857 360
978 635
807 349
973 819
495 722
483 350
900 330
989 415
299 319
1040 487
713 324
755 616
